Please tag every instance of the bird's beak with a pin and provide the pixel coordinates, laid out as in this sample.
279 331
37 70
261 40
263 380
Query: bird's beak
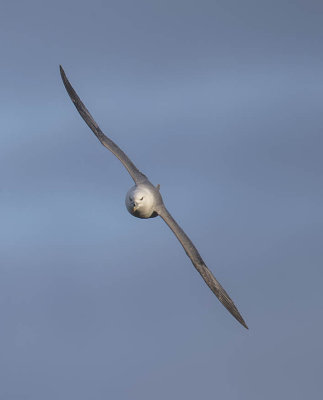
135 207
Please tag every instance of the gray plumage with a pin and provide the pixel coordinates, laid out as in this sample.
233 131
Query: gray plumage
145 201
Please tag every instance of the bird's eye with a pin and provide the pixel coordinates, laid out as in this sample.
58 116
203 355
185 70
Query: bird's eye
141 198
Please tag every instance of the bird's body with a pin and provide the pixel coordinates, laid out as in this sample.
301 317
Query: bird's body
145 201
142 200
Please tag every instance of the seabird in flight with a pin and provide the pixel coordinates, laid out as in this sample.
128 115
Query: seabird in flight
144 200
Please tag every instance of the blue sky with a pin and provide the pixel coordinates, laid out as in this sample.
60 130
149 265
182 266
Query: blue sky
220 102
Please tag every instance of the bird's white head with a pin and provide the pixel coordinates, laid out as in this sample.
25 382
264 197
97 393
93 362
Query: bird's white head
140 202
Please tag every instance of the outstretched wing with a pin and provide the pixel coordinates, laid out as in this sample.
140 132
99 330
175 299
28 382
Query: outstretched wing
199 264
136 175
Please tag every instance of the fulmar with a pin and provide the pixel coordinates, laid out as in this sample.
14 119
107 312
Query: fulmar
144 200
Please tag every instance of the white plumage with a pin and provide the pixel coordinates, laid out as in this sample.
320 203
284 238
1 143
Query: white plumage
141 201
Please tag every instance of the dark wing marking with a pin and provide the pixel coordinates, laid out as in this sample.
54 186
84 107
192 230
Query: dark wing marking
136 175
199 264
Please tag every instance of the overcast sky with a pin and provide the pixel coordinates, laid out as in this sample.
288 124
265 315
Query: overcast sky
220 102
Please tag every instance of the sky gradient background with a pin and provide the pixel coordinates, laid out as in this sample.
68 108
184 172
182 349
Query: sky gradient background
220 102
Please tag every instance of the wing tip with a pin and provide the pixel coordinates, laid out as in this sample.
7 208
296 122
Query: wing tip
69 88
244 324
63 75
235 313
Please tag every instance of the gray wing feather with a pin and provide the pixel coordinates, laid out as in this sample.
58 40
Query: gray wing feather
199 264
136 175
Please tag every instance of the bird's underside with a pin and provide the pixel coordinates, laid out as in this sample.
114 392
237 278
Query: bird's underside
142 181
